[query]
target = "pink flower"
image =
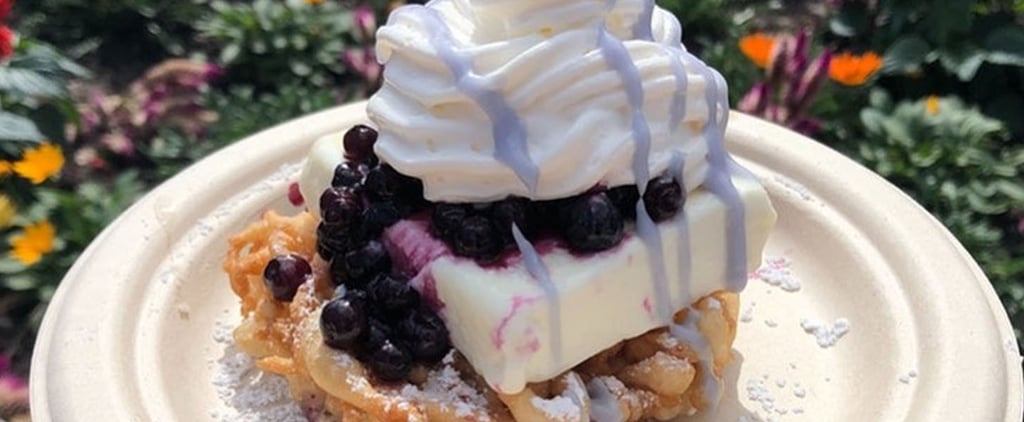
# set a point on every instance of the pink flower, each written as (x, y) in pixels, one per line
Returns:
(13, 389)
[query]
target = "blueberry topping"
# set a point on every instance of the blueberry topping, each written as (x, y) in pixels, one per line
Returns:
(359, 142)
(284, 274)
(341, 207)
(343, 321)
(475, 238)
(363, 264)
(349, 174)
(447, 218)
(505, 213)
(663, 199)
(393, 294)
(594, 224)
(426, 336)
(332, 240)
(384, 183)
(381, 215)
(625, 198)
(389, 361)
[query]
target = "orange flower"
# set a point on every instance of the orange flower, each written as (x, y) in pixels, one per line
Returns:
(29, 246)
(931, 105)
(314, 1)
(851, 70)
(758, 48)
(40, 163)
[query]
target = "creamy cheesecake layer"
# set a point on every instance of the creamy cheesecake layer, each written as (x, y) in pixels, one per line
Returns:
(326, 153)
(501, 318)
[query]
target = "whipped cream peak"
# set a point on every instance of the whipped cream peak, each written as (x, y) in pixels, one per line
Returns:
(483, 99)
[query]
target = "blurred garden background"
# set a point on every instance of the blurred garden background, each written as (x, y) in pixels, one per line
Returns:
(101, 100)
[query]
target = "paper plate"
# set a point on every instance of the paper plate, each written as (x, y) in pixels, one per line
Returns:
(130, 333)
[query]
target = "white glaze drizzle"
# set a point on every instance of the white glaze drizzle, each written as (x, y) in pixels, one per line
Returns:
(539, 272)
(508, 131)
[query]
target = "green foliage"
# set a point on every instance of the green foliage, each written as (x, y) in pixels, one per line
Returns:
(34, 103)
(971, 48)
(103, 33)
(963, 167)
(266, 41)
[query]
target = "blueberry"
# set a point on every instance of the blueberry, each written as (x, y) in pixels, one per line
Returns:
(389, 361)
(384, 183)
(332, 240)
(343, 321)
(447, 218)
(392, 294)
(663, 199)
(341, 207)
(625, 199)
(363, 264)
(381, 215)
(505, 213)
(284, 274)
(594, 224)
(425, 335)
(475, 238)
(349, 174)
(359, 142)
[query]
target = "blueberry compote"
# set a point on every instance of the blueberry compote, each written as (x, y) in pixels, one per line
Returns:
(376, 314)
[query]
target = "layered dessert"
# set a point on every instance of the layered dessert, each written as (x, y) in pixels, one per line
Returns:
(539, 222)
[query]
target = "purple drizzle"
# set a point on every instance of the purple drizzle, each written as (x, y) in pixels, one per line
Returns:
(642, 27)
(617, 57)
(683, 252)
(719, 182)
(690, 333)
(539, 272)
(507, 129)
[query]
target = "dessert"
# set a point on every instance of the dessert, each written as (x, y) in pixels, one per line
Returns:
(541, 223)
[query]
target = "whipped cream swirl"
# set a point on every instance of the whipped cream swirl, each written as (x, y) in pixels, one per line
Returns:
(483, 99)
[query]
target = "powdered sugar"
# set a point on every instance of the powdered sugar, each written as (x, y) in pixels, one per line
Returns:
(248, 394)
(826, 335)
(776, 272)
(446, 386)
(558, 408)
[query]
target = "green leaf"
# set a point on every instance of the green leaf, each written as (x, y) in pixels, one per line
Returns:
(29, 83)
(17, 128)
(20, 282)
(849, 21)
(906, 55)
(10, 266)
(1012, 190)
(963, 62)
(1006, 46)
(230, 53)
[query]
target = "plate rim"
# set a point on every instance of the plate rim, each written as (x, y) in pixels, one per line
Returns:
(324, 122)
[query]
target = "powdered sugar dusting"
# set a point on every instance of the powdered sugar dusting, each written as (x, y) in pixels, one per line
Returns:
(558, 408)
(826, 335)
(247, 393)
(446, 386)
(776, 271)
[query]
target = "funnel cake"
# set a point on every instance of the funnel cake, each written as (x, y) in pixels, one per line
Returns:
(542, 224)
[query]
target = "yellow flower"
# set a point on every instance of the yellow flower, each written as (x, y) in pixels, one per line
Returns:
(29, 246)
(931, 105)
(314, 1)
(7, 211)
(849, 69)
(758, 48)
(40, 163)
(5, 168)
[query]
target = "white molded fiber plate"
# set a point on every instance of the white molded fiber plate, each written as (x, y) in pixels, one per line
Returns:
(129, 335)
